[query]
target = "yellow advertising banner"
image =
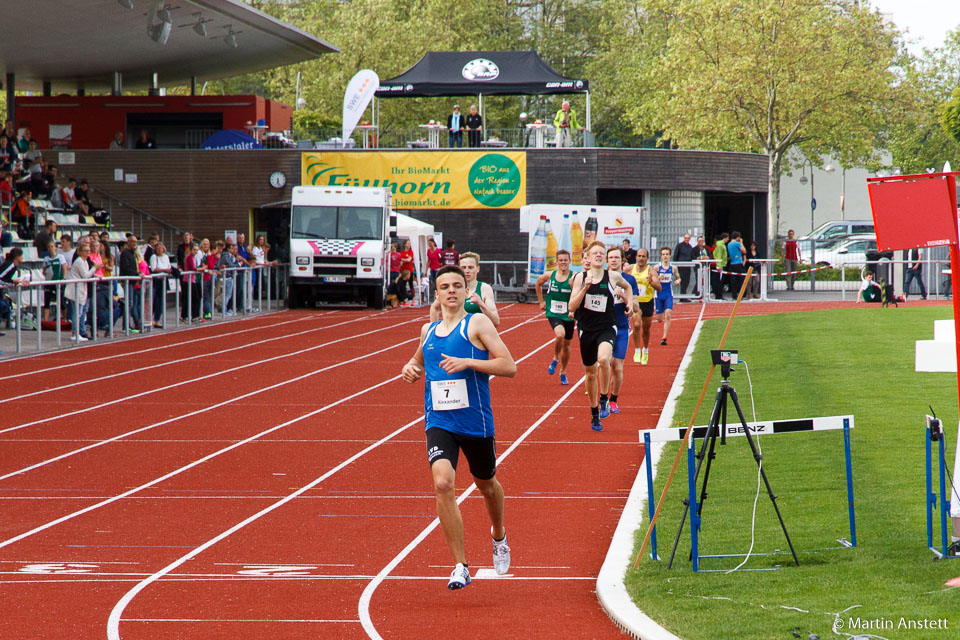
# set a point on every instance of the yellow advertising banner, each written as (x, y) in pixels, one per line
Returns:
(426, 179)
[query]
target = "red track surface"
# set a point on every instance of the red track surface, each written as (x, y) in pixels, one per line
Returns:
(122, 474)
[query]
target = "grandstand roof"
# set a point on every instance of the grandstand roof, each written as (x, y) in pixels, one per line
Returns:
(72, 43)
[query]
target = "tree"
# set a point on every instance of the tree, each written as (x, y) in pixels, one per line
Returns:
(770, 76)
(950, 115)
(916, 134)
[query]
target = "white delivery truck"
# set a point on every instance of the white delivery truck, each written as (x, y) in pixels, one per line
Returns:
(339, 245)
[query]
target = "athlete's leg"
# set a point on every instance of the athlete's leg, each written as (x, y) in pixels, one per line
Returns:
(447, 509)
(604, 356)
(616, 376)
(667, 317)
(564, 355)
(559, 333)
(493, 499)
(591, 382)
(637, 337)
(646, 322)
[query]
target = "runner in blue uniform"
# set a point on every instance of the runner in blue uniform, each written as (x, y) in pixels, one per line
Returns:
(615, 263)
(457, 354)
(664, 302)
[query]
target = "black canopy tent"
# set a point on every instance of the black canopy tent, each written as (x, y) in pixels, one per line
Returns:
(468, 73)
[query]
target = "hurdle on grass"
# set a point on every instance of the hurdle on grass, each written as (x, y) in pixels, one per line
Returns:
(934, 433)
(773, 427)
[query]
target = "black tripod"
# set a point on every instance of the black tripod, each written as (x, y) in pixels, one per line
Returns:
(718, 422)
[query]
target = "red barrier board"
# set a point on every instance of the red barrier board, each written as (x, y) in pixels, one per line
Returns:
(914, 211)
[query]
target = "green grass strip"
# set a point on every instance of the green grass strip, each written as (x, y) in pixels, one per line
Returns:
(808, 364)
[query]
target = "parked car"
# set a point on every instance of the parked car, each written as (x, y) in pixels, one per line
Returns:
(849, 250)
(839, 228)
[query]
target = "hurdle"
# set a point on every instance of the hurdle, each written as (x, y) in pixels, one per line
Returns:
(934, 433)
(772, 427)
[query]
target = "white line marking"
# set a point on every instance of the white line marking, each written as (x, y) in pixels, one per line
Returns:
(149, 349)
(194, 380)
(113, 622)
(205, 354)
(229, 620)
(363, 606)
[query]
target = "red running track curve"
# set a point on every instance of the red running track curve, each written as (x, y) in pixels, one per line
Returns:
(252, 480)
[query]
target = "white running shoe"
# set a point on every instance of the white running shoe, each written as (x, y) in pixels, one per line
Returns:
(459, 578)
(501, 554)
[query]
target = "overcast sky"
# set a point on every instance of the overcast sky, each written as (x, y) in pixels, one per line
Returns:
(927, 20)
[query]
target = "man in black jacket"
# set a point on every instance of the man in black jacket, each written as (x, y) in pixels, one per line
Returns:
(683, 252)
(129, 267)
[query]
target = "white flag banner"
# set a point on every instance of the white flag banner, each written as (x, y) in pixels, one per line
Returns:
(358, 95)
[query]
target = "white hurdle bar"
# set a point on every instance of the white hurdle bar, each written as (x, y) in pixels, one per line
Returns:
(770, 427)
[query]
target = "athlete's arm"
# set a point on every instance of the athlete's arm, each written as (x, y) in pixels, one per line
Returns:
(579, 291)
(487, 303)
(435, 310)
(482, 331)
(540, 282)
(653, 279)
(412, 371)
(627, 294)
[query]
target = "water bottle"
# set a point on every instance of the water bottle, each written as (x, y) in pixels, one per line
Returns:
(538, 249)
(576, 238)
(565, 241)
(551, 263)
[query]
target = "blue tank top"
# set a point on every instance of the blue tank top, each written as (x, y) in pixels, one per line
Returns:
(666, 283)
(456, 402)
(620, 307)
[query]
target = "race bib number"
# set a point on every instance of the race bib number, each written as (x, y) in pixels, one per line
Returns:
(618, 295)
(644, 291)
(596, 303)
(558, 306)
(449, 394)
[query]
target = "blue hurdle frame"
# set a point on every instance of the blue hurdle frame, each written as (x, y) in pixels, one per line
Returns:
(695, 518)
(944, 498)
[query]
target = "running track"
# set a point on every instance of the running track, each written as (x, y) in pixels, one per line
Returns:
(267, 479)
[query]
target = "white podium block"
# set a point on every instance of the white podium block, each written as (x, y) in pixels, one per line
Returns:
(936, 355)
(943, 331)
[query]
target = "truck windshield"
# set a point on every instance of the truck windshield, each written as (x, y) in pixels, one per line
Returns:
(342, 223)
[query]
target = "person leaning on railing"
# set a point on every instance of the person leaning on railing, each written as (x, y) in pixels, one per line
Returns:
(76, 294)
(159, 264)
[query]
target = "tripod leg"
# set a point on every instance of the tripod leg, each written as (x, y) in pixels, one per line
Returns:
(700, 457)
(763, 473)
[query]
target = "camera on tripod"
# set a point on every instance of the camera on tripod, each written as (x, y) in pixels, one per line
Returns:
(725, 358)
(936, 431)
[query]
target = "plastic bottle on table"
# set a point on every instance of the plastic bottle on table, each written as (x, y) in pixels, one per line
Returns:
(538, 250)
(576, 239)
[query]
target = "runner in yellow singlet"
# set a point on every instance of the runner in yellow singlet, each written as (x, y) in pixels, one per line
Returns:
(648, 282)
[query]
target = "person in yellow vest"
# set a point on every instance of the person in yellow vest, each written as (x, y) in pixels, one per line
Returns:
(648, 282)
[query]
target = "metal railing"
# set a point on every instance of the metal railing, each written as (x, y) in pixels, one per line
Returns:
(251, 289)
(510, 137)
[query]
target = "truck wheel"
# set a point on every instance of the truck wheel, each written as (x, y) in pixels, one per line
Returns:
(294, 299)
(521, 298)
(375, 299)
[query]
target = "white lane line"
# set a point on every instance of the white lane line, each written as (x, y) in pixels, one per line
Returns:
(195, 463)
(363, 606)
(175, 333)
(274, 497)
(113, 622)
(485, 574)
(206, 354)
(198, 462)
(212, 407)
(222, 620)
(192, 380)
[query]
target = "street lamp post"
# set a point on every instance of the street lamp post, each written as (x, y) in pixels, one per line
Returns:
(813, 199)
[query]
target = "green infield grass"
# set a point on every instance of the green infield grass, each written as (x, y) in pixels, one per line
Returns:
(808, 364)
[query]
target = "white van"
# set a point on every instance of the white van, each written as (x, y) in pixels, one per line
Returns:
(837, 228)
